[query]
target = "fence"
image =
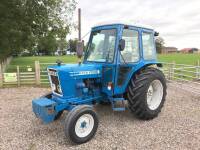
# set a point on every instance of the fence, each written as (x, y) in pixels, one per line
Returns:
(186, 77)
(35, 74)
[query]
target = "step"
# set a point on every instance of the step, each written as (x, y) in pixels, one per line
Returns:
(118, 99)
(120, 107)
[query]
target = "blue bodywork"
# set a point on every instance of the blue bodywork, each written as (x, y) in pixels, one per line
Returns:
(75, 79)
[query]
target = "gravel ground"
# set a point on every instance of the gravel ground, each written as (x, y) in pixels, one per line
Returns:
(177, 127)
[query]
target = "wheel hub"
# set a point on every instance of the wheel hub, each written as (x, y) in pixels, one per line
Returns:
(84, 125)
(154, 94)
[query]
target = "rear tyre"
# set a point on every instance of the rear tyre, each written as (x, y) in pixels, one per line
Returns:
(146, 93)
(81, 124)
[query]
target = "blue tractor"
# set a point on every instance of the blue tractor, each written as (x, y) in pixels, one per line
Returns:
(119, 65)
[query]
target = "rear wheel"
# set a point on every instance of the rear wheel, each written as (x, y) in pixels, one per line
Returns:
(146, 93)
(81, 124)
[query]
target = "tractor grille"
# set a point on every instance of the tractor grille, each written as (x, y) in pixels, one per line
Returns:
(54, 80)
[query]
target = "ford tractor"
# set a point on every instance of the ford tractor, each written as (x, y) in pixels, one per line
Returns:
(119, 68)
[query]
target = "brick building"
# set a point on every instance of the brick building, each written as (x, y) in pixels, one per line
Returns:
(166, 50)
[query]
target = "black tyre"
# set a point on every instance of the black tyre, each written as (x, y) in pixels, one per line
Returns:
(146, 93)
(81, 124)
(58, 115)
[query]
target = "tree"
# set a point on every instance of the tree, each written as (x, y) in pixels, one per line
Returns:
(47, 45)
(159, 44)
(26, 24)
(62, 44)
(72, 45)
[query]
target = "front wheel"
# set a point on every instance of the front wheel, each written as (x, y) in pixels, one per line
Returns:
(81, 124)
(146, 93)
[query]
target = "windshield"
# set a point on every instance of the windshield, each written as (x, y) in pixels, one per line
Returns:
(101, 46)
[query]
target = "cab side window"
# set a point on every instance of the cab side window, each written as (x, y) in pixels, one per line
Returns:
(131, 50)
(148, 46)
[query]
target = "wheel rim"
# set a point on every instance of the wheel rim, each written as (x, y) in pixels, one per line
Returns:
(84, 125)
(154, 94)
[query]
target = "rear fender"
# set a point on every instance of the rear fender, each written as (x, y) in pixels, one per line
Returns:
(135, 69)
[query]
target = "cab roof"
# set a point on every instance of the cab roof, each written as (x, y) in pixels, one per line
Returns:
(124, 24)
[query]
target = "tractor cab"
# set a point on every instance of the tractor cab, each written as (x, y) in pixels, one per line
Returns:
(116, 67)
(121, 50)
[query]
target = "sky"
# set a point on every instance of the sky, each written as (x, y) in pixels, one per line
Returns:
(177, 21)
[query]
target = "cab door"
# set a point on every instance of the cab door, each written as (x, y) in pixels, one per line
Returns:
(127, 59)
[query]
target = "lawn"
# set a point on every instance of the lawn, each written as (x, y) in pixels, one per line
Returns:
(25, 62)
(43, 59)
(190, 59)
(178, 58)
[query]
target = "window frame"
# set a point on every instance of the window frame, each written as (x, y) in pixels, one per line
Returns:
(139, 52)
(153, 42)
(90, 39)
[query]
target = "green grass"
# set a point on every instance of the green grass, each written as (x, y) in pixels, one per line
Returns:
(178, 58)
(23, 62)
(26, 62)
(43, 59)
(190, 59)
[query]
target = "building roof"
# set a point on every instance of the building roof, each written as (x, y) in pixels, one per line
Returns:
(188, 49)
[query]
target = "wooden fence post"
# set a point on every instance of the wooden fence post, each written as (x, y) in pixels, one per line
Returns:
(18, 76)
(37, 72)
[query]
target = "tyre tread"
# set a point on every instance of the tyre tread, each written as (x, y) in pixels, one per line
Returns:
(136, 95)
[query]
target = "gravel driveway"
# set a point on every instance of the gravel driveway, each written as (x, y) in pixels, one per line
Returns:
(177, 127)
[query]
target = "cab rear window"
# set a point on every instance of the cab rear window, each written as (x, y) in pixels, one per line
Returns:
(148, 45)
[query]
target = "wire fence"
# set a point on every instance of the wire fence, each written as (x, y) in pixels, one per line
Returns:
(184, 76)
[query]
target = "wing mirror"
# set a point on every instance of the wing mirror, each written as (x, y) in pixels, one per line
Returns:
(121, 44)
(79, 48)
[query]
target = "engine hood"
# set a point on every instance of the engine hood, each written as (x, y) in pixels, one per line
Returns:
(80, 71)
(64, 78)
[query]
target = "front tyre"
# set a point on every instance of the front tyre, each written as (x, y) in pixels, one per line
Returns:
(146, 93)
(81, 124)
